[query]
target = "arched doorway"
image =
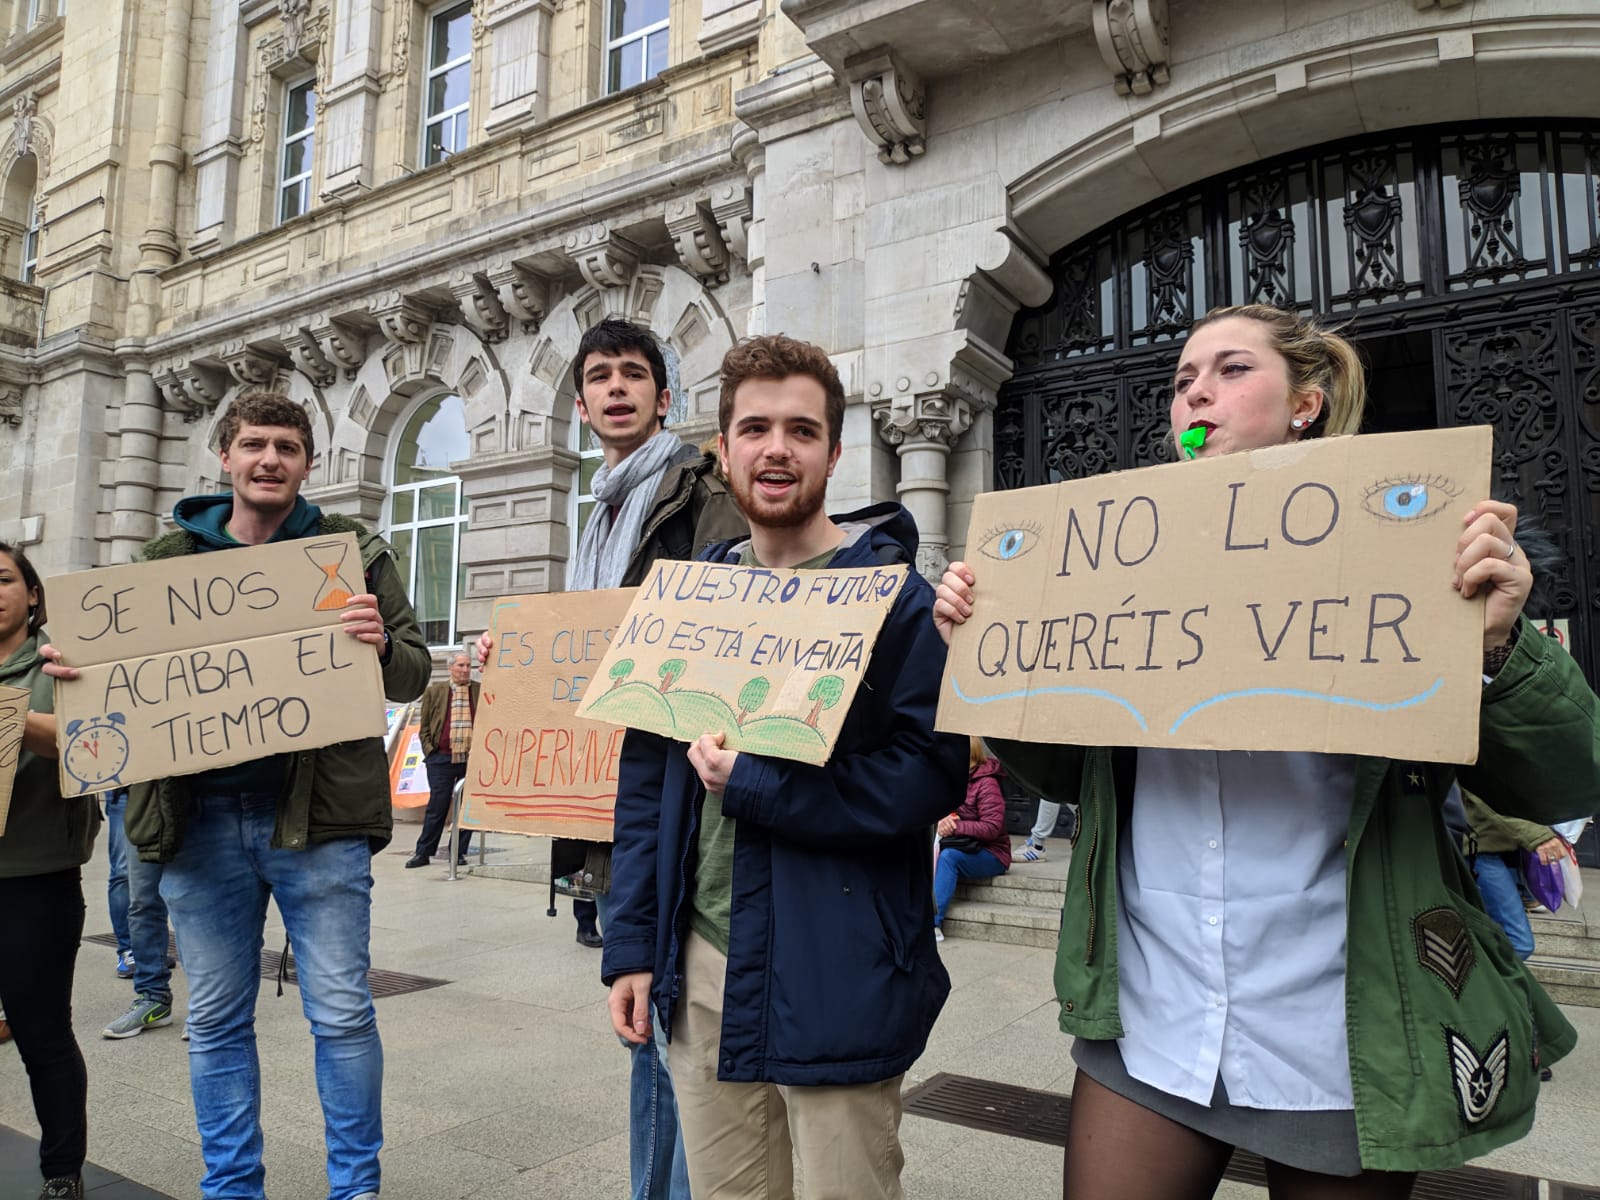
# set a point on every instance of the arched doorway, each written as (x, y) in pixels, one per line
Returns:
(1463, 259)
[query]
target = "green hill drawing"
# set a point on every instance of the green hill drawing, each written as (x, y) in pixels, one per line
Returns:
(783, 737)
(634, 704)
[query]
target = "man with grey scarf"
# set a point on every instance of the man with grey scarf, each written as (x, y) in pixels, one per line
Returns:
(656, 498)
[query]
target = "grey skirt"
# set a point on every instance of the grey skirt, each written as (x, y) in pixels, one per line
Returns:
(1320, 1140)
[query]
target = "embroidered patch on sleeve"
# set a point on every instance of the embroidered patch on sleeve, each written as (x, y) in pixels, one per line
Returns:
(1479, 1078)
(1444, 947)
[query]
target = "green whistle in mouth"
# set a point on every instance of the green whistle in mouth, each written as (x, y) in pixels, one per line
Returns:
(1190, 440)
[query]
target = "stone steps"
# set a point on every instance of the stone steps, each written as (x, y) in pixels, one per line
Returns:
(1023, 908)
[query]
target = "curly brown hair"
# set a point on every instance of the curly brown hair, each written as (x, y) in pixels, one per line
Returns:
(778, 356)
(265, 408)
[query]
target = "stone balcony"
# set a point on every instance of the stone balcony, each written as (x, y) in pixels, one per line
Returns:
(21, 307)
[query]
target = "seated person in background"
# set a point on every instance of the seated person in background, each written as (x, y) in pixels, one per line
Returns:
(972, 840)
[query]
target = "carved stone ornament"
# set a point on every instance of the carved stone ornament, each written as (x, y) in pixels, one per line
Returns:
(250, 366)
(928, 418)
(526, 295)
(699, 240)
(11, 406)
(192, 389)
(309, 357)
(401, 319)
(732, 206)
(890, 104)
(24, 109)
(480, 303)
(605, 259)
(346, 345)
(293, 15)
(1132, 35)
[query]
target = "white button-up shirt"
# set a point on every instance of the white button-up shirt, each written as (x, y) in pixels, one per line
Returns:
(1231, 927)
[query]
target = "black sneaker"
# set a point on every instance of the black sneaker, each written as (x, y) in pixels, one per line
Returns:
(417, 860)
(67, 1187)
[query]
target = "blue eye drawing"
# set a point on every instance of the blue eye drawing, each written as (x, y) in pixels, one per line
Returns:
(1007, 542)
(1409, 499)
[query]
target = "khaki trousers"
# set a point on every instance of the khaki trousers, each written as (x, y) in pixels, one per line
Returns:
(740, 1139)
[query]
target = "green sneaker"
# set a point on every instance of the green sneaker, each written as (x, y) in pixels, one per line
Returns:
(146, 1012)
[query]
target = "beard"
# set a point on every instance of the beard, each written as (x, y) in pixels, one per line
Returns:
(789, 513)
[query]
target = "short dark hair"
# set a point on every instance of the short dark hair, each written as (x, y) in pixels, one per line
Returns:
(264, 408)
(778, 356)
(31, 581)
(614, 336)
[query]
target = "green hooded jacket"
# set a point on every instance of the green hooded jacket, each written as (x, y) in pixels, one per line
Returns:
(44, 831)
(336, 791)
(1447, 1029)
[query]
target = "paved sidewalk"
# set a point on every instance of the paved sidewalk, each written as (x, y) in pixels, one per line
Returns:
(506, 1084)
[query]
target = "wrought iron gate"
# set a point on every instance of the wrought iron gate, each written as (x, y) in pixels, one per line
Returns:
(1464, 261)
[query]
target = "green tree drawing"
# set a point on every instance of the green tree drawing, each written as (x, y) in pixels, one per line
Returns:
(620, 671)
(826, 691)
(752, 696)
(670, 671)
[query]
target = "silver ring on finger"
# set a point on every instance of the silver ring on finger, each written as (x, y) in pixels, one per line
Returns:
(1511, 549)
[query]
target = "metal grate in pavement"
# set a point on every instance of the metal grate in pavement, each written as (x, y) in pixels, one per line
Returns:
(1042, 1117)
(382, 983)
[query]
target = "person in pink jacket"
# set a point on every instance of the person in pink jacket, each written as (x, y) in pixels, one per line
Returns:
(972, 840)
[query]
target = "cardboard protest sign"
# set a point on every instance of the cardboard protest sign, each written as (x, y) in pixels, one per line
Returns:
(13, 719)
(1293, 598)
(408, 774)
(536, 767)
(770, 658)
(205, 661)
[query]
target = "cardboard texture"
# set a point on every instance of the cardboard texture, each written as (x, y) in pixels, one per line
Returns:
(1294, 598)
(769, 658)
(536, 767)
(13, 720)
(193, 663)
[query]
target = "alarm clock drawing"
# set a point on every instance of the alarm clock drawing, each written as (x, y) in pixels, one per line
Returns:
(96, 752)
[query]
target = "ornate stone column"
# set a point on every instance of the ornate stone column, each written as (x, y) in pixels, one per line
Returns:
(923, 427)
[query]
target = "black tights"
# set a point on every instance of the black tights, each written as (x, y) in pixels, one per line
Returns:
(41, 920)
(1118, 1150)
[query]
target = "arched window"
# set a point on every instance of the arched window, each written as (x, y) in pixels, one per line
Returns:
(591, 454)
(428, 512)
(19, 220)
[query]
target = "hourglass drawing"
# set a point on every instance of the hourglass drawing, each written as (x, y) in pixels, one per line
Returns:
(334, 591)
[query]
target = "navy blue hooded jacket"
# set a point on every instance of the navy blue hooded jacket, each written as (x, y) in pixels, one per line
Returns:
(833, 977)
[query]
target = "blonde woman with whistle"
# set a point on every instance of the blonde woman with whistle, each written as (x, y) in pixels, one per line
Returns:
(1283, 951)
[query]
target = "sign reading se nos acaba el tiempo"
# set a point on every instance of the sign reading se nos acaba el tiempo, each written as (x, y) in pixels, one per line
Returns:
(205, 661)
(771, 659)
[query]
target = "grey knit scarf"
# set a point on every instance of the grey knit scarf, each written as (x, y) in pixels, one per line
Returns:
(606, 544)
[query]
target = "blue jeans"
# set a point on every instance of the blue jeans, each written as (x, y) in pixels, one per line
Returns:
(1497, 876)
(959, 864)
(117, 881)
(217, 889)
(657, 1169)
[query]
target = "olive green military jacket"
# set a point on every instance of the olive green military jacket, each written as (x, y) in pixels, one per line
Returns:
(336, 791)
(1447, 1029)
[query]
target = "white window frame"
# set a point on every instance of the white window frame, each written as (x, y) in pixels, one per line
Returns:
(30, 244)
(432, 121)
(642, 36)
(417, 523)
(302, 181)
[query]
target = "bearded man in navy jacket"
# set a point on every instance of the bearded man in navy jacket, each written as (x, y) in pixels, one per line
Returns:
(780, 914)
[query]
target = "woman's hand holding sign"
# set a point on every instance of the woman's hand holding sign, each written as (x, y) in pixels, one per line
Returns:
(953, 600)
(1487, 556)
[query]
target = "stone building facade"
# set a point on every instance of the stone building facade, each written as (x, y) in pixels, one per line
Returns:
(404, 214)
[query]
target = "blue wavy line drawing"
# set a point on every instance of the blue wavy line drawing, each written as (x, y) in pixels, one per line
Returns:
(1299, 694)
(1096, 693)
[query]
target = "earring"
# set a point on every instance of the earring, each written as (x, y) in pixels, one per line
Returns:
(1299, 422)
